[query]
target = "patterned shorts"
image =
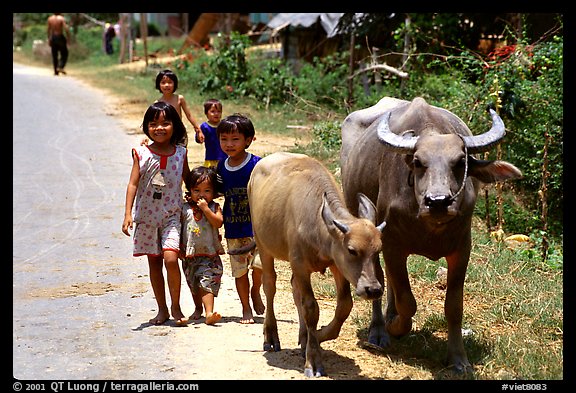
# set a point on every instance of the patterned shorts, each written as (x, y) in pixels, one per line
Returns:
(203, 272)
(241, 263)
(152, 240)
(211, 163)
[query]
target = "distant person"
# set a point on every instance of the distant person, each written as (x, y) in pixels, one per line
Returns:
(208, 135)
(57, 32)
(167, 84)
(236, 133)
(201, 244)
(155, 191)
(109, 34)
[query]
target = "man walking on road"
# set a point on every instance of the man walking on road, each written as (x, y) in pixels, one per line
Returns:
(57, 40)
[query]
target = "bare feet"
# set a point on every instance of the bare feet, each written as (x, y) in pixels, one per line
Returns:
(213, 318)
(247, 317)
(160, 318)
(197, 314)
(257, 301)
(178, 316)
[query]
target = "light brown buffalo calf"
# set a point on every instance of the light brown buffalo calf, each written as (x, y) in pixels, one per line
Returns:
(299, 215)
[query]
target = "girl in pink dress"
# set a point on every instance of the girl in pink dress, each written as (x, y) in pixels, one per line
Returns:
(155, 191)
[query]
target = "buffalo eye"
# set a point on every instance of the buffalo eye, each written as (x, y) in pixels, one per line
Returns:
(352, 251)
(417, 163)
(461, 162)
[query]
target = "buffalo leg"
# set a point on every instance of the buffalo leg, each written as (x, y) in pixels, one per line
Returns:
(377, 333)
(313, 366)
(302, 331)
(453, 309)
(343, 307)
(271, 339)
(401, 306)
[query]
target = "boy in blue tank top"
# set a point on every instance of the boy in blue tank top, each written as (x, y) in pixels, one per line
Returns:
(236, 133)
(208, 134)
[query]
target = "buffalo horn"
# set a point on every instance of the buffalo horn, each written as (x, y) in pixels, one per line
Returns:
(484, 142)
(400, 144)
(343, 227)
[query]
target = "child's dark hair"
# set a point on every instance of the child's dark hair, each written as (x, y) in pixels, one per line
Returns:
(200, 174)
(170, 74)
(210, 102)
(236, 122)
(179, 135)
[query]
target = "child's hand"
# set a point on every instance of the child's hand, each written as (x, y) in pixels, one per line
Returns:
(202, 204)
(188, 198)
(126, 225)
(199, 137)
(144, 142)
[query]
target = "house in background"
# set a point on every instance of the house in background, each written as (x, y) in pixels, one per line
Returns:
(306, 35)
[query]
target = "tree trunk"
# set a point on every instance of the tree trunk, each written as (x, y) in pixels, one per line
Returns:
(124, 37)
(200, 30)
(350, 72)
(144, 35)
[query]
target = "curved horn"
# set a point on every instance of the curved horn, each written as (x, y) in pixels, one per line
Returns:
(484, 142)
(340, 225)
(403, 145)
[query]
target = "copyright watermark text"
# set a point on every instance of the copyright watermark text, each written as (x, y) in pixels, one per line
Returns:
(104, 386)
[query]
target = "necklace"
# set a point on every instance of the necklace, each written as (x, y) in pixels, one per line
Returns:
(197, 213)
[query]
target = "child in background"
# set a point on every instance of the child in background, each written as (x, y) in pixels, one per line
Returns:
(155, 188)
(167, 83)
(208, 135)
(201, 245)
(236, 133)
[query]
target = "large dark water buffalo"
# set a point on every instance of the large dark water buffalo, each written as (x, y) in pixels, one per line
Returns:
(414, 161)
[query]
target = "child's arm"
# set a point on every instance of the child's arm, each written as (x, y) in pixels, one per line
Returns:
(186, 110)
(216, 219)
(199, 136)
(131, 194)
(182, 251)
(186, 167)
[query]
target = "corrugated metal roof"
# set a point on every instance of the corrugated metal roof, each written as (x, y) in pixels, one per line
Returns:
(329, 21)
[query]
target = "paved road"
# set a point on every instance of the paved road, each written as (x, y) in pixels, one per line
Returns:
(79, 297)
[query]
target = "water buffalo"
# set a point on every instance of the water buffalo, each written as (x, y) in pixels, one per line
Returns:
(299, 215)
(414, 161)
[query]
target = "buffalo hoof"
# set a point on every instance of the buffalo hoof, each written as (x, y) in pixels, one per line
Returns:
(308, 372)
(269, 347)
(379, 337)
(461, 368)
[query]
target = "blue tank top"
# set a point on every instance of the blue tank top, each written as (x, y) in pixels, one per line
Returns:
(236, 211)
(211, 143)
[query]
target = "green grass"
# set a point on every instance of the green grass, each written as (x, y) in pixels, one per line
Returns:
(513, 312)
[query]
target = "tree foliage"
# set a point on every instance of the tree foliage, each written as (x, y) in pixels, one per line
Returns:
(523, 80)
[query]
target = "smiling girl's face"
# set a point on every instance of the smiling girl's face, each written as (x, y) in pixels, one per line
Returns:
(160, 129)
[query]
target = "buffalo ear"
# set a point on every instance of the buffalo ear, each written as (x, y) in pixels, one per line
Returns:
(366, 208)
(492, 171)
